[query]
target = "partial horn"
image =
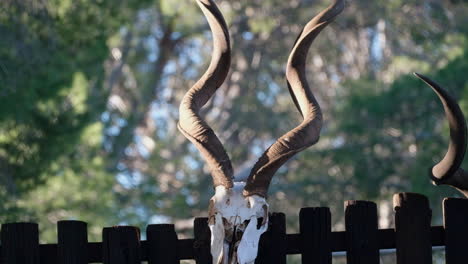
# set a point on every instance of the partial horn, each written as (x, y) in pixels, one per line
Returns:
(190, 123)
(308, 132)
(448, 170)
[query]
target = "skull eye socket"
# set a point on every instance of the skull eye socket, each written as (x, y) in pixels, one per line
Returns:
(226, 222)
(260, 222)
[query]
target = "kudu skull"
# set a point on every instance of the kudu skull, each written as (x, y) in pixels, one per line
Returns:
(238, 212)
(448, 171)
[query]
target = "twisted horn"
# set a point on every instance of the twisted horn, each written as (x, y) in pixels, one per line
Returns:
(308, 132)
(190, 123)
(448, 170)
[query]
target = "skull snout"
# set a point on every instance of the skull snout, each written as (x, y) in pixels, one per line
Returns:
(236, 223)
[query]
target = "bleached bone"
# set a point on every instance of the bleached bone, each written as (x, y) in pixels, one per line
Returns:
(236, 222)
(236, 208)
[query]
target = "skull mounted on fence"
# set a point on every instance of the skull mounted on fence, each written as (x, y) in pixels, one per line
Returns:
(238, 212)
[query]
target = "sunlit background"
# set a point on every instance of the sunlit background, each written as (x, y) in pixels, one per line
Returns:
(89, 95)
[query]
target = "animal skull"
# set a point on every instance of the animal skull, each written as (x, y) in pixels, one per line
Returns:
(236, 223)
(238, 212)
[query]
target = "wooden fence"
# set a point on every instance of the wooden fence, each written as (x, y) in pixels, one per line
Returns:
(413, 238)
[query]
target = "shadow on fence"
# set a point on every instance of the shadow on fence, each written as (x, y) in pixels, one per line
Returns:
(413, 238)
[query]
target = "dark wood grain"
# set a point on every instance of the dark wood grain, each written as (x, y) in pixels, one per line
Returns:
(121, 245)
(20, 243)
(315, 233)
(412, 228)
(201, 246)
(162, 244)
(272, 247)
(72, 242)
(361, 232)
(456, 230)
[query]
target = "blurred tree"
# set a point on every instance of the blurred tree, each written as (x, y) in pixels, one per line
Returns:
(52, 94)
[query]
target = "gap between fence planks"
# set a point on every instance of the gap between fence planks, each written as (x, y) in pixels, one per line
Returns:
(412, 238)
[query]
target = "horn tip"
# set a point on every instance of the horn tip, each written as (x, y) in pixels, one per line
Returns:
(338, 6)
(341, 3)
(429, 82)
(420, 76)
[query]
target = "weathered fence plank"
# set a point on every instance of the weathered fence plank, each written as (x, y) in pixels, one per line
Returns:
(315, 228)
(121, 245)
(20, 243)
(456, 230)
(412, 228)
(72, 245)
(201, 245)
(272, 248)
(361, 232)
(162, 243)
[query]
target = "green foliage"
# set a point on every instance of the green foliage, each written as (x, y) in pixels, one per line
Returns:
(398, 130)
(52, 94)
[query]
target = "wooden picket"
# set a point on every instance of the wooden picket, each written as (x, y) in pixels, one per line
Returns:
(316, 235)
(412, 228)
(456, 230)
(413, 238)
(361, 232)
(72, 242)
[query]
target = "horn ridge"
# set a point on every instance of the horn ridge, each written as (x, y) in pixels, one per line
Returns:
(308, 131)
(192, 126)
(448, 171)
(458, 134)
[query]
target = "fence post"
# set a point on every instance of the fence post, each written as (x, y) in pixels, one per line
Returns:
(72, 242)
(315, 228)
(20, 243)
(121, 245)
(456, 230)
(201, 245)
(412, 228)
(361, 232)
(272, 247)
(162, 244)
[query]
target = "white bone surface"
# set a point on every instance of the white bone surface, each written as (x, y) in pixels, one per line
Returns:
(217, 239)
(235, 208)
(248, 247)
